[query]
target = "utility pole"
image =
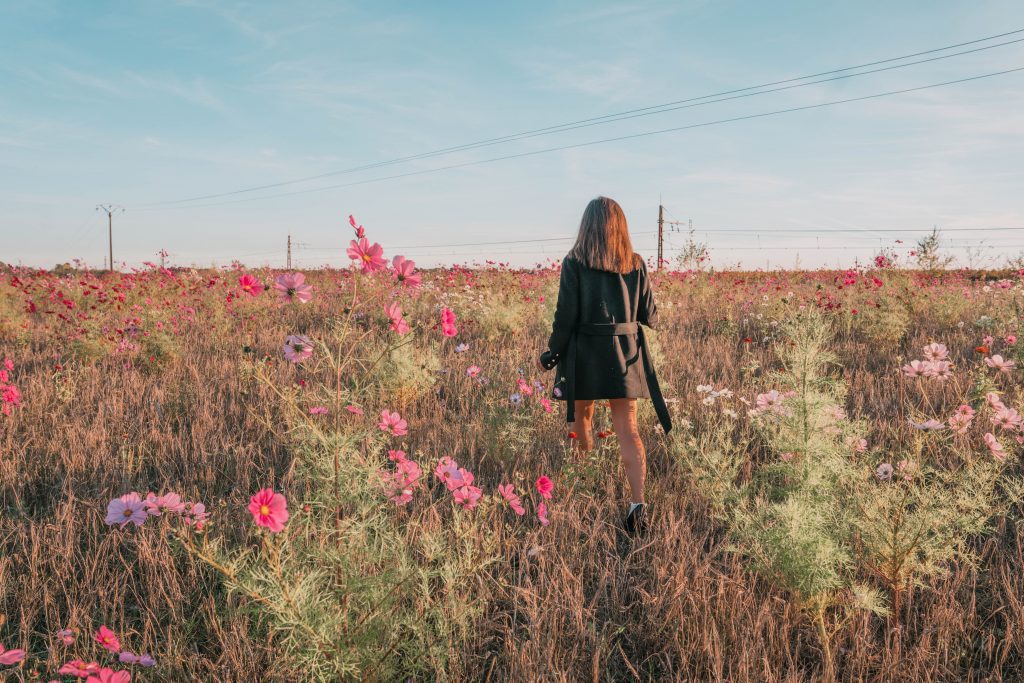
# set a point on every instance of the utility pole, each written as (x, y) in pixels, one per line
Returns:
(661, 233)
(289, 266)
(110, 210)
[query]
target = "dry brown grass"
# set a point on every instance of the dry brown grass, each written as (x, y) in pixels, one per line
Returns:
(573, 601)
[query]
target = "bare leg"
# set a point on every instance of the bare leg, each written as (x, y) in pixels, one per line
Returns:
(631, 448)
(584, 426)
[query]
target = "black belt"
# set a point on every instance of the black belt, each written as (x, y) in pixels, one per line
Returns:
(614, 330)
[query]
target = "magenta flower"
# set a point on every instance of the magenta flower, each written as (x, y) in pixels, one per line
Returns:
(360, 232)
(393, 423)
(107, 675)
(398, 324)
(371, 258)
(8, 657)
(448, 328)
(508, 492)
(405, 273)
(447, 471)
(297, 348)
(127, 508)
(79, 669)
(251, 285)
(269, 509)
(106, 638)
(544, 486)
(318, 410)
(292, 287)
(546, 403)
(542, 514)
(399, 485)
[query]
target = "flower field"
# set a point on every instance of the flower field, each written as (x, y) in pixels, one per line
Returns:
(245, 474)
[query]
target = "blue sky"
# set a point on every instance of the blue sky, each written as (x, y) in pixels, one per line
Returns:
(142, 102)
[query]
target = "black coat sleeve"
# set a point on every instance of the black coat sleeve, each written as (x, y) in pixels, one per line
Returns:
(567, 312)
(648, 310)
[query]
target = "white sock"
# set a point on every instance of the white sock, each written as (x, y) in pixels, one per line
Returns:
(633, 506)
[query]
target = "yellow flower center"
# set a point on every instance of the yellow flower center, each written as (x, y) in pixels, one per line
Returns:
(366, 257)
(264, 509)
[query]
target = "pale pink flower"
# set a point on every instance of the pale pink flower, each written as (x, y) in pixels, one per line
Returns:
(196, 515)
(1007, 418)
(467, 496)
(448, 328)
(938, 369)
(398, 323)
(997, 362)
(447, 471)
(1011, 339)
(961, 421)
(127, 508)
(67, 636)
(542, 514)
(935, 352)
(405, 272)
(371, 258)
(544, 486)
(508, 492)
(908, 468)
(473, 370)
(787, 456)
(79, 669)
(269, 509)
(8, 657)
(397, 455)
(292, 287)
(297, 348)
(993, 400)
(107, 638)
(318, 410)
(169, 502)
(930, 425)
(769, 401)
(251, 285)
(393, 423)
(915, 368)
(399, 485)
(355, 410)
(994, 446)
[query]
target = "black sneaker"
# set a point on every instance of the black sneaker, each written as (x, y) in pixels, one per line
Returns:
(635, 523)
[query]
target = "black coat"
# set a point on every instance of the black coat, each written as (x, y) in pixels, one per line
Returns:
(596, 339)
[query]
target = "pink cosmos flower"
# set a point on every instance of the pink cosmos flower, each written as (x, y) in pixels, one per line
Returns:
(542, 514)
(405, 273)
(169, 502)
(999, 363)
(79, 669)
(127, 508)
(251, 285)
(473, 370)
(360, 232)
(371, 258)
(993, 400)
(355, 410)
(67, 636)
(961, 420)
(938, 369)
(447, 471)
(1007, 418)
(269, 509)
(399, 485)
(935, 352)
(769, 401)
(318, 410)
(467, 496)
(544, 486)
(8, 657)
(915, 368)
(448, 328)
(398, 323)
(508, 492)
(106, 638)
(106, 675)
(393, 423)
(132, 658)
(297, 348)
(292, 287)
(930, 425)
(994, 446)
(1011, 339)
(546, 402)
(196, 515)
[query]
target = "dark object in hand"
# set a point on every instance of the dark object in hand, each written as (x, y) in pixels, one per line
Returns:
(549, 360)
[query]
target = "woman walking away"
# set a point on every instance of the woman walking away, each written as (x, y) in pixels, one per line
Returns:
(604, 295)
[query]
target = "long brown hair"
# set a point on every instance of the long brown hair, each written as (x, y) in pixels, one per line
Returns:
(603, 242)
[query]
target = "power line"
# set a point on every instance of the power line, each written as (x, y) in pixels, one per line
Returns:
(620, 138)
(632, 113)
